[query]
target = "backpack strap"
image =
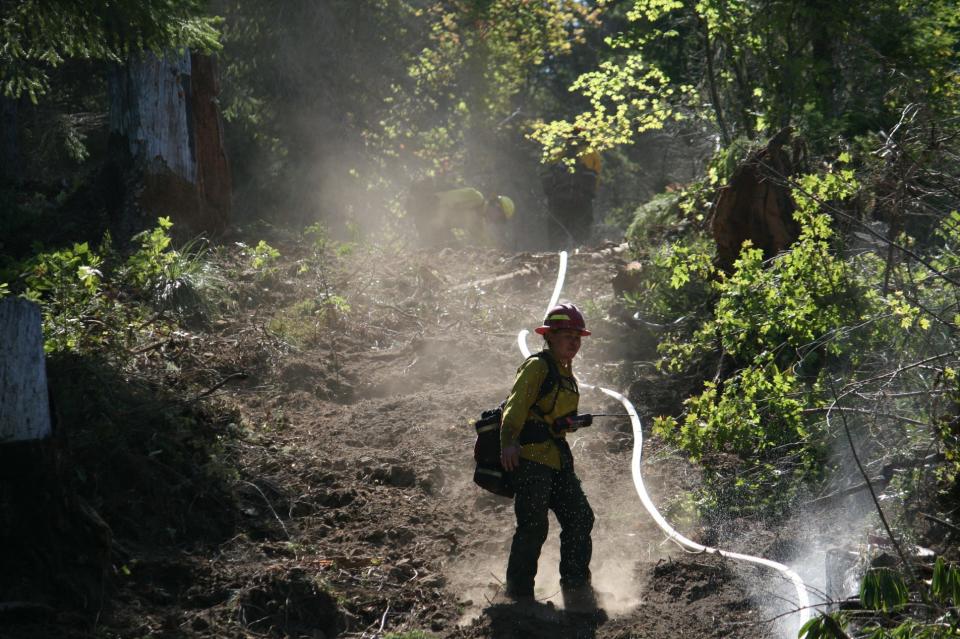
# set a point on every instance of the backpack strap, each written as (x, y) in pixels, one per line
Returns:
(550, 382)
(536, 431)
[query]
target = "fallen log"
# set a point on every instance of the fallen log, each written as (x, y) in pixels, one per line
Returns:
(535, 270)
(523, 272)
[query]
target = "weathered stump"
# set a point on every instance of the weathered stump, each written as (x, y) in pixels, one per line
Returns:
(757, 205)
(52, 544)
(165, 124)
(24, 401)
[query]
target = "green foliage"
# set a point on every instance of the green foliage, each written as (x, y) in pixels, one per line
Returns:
(945, 585)
(78, 313)
(626, 99)
(410, 634)
(263, 256)
(651, 220)
(307, 321)
(153, 261)
(489, 49)
(41, 34)
(766, 67)
(726, 160)
(89, 302)
(677, 285)
(757, 410)
(884, 590)
(758, 415)
(183, 281)
(332, 307)
(824, 627)
(775, 323)
(884, 594)
(405, 90)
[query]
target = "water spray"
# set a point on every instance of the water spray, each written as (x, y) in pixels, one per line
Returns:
(803, 600)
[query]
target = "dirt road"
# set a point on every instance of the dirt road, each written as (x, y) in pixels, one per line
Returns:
(373, 455)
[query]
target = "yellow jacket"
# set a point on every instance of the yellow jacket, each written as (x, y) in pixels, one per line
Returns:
(591, 161)
(462, 209)
(563, 399)
(588, 162)
(460, 201)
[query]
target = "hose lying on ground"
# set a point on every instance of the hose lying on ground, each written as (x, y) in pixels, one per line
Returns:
(803, 601)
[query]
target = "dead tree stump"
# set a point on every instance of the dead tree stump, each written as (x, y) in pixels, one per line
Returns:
(757, 205)
(24, 402)
(53, 545)
(165, 127)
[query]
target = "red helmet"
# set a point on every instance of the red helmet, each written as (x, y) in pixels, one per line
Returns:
(563, 316)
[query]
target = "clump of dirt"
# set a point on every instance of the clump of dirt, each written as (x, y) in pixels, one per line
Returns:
(290, 603)
(689, 581)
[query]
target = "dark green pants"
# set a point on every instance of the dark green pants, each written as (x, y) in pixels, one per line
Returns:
(569, 216)
(539, 489)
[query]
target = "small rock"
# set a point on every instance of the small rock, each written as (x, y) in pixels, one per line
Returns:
(628, 279)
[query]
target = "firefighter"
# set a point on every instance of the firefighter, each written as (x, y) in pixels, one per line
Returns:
(450, 217)
(570, 192)
(542, 466)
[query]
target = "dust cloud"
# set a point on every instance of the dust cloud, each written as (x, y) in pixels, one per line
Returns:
(825, 541)
(830, 536)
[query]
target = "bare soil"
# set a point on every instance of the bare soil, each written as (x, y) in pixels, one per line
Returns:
(351, 510)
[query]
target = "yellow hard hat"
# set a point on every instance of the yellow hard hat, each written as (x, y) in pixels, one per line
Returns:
(506, 205)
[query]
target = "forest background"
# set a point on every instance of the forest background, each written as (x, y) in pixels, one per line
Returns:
(849, 113)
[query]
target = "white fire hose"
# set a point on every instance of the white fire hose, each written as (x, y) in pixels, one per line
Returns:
(803, 601)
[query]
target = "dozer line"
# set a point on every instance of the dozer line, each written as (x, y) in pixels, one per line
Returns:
(803, 600)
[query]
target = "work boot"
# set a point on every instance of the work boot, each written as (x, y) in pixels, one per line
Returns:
(580, 600)
(518, 595)
(509, 595)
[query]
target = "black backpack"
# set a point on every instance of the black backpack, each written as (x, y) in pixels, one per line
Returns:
(489, 473)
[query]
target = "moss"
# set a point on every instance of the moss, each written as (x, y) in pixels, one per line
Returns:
(653, 220)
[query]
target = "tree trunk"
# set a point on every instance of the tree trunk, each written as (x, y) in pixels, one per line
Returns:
(24, 403)
(712, 83)
(165, 124)
(9, 145)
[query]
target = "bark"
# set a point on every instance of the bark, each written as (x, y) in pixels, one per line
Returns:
(9, 139)
(756, 205)
(24, 402)
(165, 125)
(712, 83)
(214, 180)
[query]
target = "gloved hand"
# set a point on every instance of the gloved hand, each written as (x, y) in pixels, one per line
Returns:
(570, 423)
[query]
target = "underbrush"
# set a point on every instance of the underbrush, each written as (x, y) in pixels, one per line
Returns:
(833, 363)
(143, 459)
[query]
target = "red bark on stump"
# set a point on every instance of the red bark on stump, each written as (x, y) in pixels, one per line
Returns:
(164, 120)
(757, 205)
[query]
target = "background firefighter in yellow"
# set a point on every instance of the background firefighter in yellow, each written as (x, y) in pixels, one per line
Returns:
(458, 216)
(570, 191)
